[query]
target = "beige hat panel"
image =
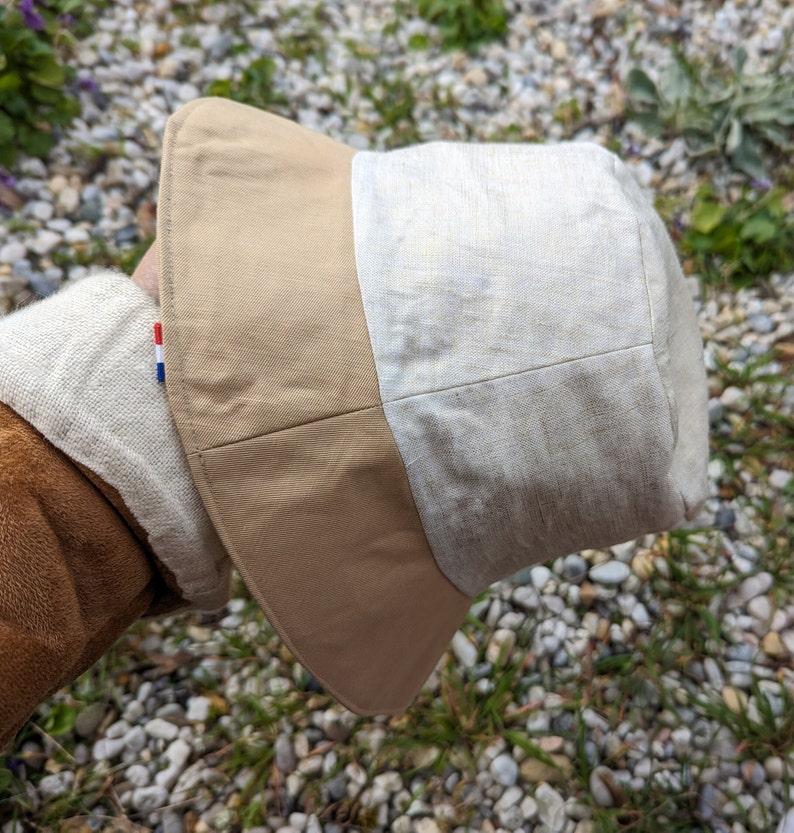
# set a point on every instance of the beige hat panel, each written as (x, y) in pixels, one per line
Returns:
(272, 383)
(336, 555)
(257, 255)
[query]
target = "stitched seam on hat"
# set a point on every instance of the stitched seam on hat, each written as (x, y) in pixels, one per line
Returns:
(167, 259)
(428, 393)
(669, 394)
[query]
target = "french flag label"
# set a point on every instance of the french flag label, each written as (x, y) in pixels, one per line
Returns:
(158, 351)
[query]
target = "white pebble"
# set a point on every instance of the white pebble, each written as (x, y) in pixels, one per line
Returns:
(464, 649)
(40, 209)
(510, 797)
(135, 740)
(500, 646)
(505, 770)
(311, 767)
(390, 781)
(177, 756)
(755, 585)
(599, 788)
(12, 252)
(137, 775)
(51, 786)
(187, 92)
(735, 399)
(159, 728)
(107, 749)
(69, 199)
(540, 576)
(148, 799)
(198, 709)
(641, 617)
(134, 711)
(76, 235)
(551, 807)
(610, 573)
(45, 242)
(529, 808)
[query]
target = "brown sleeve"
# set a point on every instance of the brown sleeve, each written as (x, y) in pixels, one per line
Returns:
(75, 571)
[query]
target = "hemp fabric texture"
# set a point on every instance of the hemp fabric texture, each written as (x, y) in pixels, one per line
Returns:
(398, 377)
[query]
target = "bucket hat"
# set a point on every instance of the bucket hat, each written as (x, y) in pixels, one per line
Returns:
(401, 376)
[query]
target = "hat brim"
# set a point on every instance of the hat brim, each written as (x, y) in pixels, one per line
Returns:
(274, 391)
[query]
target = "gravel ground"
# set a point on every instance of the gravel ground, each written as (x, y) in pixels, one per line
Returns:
(646, 687)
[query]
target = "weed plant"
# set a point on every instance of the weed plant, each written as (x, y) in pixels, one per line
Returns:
(741, 243)
(717, 109)
(255, 87)
(37, 93)
(465, 24)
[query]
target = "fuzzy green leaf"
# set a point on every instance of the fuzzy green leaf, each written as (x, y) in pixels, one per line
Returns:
(706, 216)
(734, 137)
(640, 87)
(747, 158)
(674, 85)
(759, 228)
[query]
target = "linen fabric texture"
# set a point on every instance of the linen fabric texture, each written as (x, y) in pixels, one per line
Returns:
(79, 367)
(401, 376)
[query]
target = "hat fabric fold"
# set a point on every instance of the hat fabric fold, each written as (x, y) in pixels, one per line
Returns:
(401, 376)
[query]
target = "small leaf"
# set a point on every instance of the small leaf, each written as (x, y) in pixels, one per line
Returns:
(759, 228)
(774, 135)
(640, 87)
(6, 780)
(10, 82)
(734, 137)
(740, 59)
(221, 88)
(60, 720)
(6, 128)
(747, 158)
(706, 216)
(674, 85)
(48, 74)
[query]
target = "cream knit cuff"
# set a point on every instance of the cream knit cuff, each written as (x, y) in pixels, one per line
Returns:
(80, 367)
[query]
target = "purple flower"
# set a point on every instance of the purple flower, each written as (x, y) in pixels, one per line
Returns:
(6, 179)
(66, 19)
(14, 764)
(87, 83)
(33, 20)
(762, 184)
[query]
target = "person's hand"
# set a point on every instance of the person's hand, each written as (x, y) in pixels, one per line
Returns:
(145, 275)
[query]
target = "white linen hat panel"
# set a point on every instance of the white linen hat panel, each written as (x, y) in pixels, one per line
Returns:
(515, 342)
